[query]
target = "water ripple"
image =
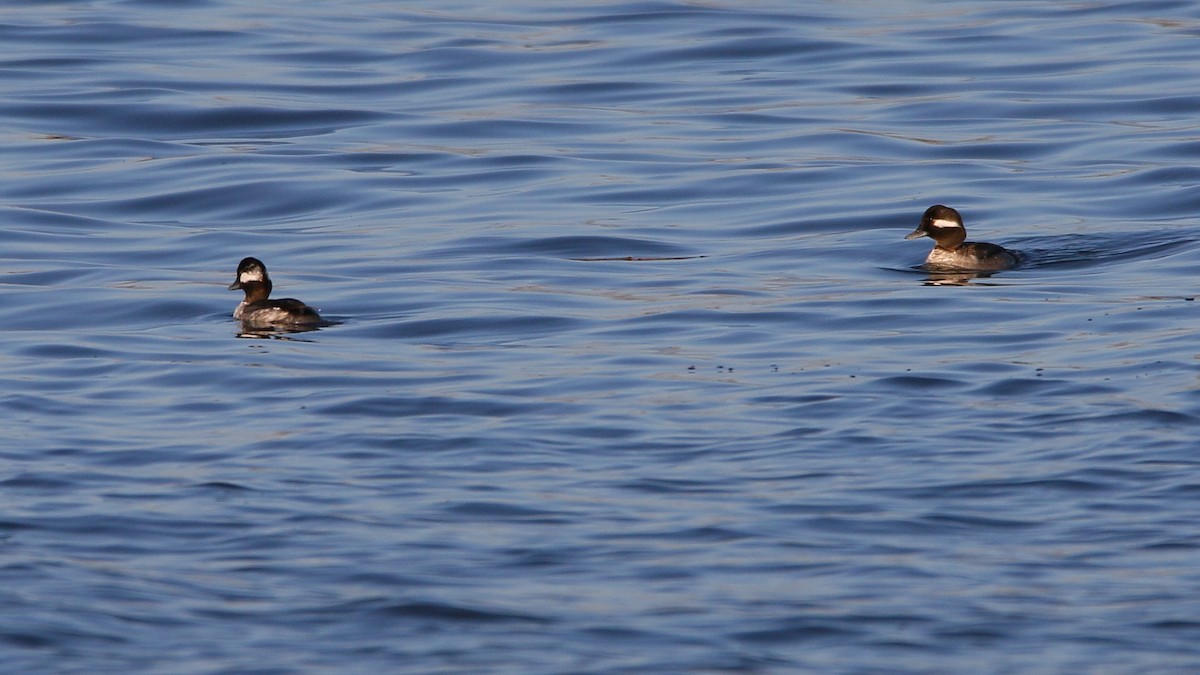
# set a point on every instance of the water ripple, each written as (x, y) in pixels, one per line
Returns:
(632, 370)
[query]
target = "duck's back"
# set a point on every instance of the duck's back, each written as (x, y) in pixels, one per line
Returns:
(280, 312)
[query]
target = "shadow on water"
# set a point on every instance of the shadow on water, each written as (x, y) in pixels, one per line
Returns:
(634, 258)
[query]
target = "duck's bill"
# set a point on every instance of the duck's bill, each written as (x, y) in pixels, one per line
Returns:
(916, 234)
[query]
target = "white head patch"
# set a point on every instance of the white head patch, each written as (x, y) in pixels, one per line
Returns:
(940, 223)
(252, 274)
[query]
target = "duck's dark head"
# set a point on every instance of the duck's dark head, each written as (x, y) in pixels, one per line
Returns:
(252, 278)
(943, 225)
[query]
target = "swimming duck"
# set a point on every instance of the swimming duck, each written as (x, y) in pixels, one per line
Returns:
(258, 310)
(944, 225)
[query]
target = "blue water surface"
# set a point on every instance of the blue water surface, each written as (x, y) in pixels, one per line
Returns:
(632, 370)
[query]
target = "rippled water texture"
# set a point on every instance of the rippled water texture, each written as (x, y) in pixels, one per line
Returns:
(632, 370)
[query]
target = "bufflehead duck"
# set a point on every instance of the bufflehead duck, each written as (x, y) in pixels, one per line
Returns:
(257, 310)
(952, 251)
